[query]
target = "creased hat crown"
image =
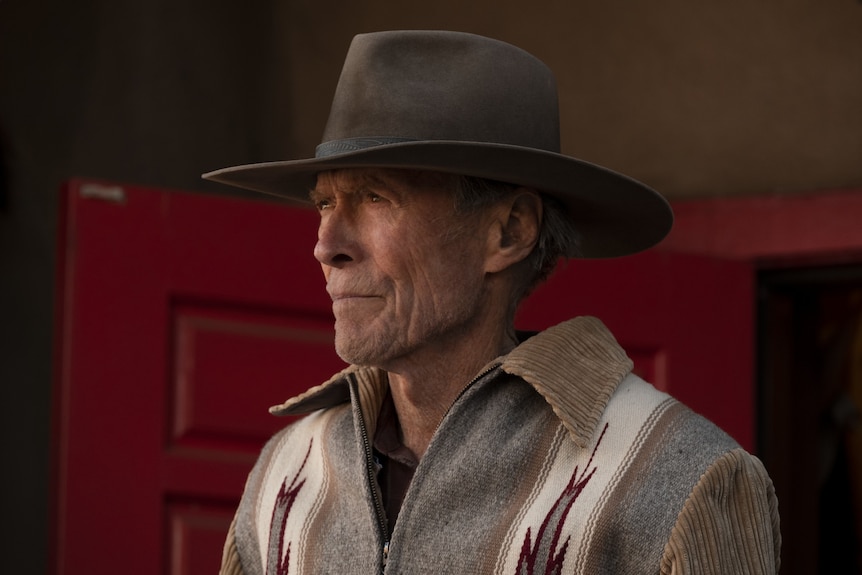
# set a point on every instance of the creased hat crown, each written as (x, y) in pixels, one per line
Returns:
(413, 86)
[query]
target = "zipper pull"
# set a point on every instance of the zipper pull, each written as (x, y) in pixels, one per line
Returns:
(385, 555)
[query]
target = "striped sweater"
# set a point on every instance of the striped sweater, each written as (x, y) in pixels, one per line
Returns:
(556, 459)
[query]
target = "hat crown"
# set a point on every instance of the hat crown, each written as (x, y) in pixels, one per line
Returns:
(435, 85)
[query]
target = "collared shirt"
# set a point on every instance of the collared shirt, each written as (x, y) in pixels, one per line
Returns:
(398, 464)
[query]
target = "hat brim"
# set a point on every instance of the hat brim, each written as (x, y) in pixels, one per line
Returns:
(614, 214)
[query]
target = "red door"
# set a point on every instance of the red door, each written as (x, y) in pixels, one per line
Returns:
(182, 317)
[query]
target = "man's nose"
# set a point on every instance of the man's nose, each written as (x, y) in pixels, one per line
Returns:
(336, 238)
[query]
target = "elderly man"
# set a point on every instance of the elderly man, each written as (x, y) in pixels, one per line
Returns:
(453, 443)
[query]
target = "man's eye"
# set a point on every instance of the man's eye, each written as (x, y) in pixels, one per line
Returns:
(323, 204)
(374, 198)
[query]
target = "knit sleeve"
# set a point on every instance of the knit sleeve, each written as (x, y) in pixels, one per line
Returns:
(230, 564)
(729, 524)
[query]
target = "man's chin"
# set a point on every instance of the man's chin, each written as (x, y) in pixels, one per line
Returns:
(356, 347)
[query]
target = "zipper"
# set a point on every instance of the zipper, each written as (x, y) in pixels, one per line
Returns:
(370, 473)
(369, 457)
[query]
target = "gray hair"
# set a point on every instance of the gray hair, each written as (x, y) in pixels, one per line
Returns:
(557, 235)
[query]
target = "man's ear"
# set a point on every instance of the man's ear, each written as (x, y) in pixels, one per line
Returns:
(514, 230)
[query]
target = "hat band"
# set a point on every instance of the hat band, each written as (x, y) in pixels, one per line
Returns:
(336, 147)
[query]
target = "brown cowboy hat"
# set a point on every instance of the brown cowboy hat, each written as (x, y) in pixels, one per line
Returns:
(464, 104)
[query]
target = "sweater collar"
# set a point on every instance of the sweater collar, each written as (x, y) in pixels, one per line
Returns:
(576, 366)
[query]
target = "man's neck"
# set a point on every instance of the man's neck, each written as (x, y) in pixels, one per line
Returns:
(423, 392)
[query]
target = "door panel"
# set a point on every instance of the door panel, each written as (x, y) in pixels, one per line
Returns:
(182, 317)
(221, 351)
(195, 533)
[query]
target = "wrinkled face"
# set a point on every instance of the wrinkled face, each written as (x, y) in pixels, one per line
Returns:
(404, 272)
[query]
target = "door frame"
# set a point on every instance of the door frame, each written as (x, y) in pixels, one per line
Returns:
(776, 232)
(780, 230)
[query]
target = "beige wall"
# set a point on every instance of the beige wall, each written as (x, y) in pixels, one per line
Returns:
(695, 98)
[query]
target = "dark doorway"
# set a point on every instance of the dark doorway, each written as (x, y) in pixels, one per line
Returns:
(810, 436)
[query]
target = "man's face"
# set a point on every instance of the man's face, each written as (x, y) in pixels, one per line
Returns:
(404, 272)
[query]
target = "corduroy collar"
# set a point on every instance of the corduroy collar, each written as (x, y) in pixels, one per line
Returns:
(576, 366)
